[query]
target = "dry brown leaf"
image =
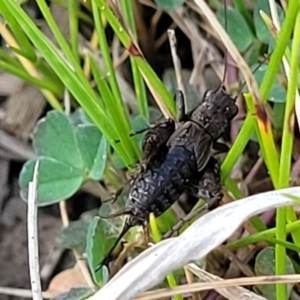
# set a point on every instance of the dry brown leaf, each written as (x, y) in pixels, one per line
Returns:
(66, 280)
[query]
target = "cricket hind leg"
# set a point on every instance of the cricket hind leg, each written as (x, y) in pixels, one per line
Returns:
(116, 195)
(220, 148)
(197, 212)
(156, 138)
(180, 106)
(129, 223)
(158, 134)
(208, 187)
(108, 256)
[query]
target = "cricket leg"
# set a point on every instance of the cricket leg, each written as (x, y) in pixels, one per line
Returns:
(115, 195)
(180, 106)
(197, 212)
(146, 233)
(156, 138)
(220, 148)
(152, 127)
(108, 257)
(209, 185)
(208, 188)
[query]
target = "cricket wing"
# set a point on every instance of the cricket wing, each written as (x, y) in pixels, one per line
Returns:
(202, 148)
(193, 136)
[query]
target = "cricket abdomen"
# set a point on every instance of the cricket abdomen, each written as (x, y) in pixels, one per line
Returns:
(156, 189)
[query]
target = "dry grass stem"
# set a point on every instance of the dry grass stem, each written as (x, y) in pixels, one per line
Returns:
(276, 22)
(202, 286)
(81, 263)
(33, 249)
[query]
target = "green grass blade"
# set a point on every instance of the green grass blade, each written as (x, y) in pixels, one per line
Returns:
(62, 42)
(238, 147)
(5, 57)
(73, 23)
(289, 116)
(21, 52)
(286, 155)
(48, 73)
(116, 107)
(74, 80)
(42, 84)
(139, 85)
(266, 141)
(19, 34)
(282, 42)
(140, 90)
(162, 96)
(240, 5)
(103, 88)
(79, 13)
(273, 67)
(285, 245)
(262, 236)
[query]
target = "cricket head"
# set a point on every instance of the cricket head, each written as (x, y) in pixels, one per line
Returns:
(215, 112)
(224, 104)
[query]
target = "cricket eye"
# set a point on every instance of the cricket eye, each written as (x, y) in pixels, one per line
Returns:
(207, 94)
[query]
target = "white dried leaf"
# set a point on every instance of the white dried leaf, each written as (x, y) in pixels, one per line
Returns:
(153, 265)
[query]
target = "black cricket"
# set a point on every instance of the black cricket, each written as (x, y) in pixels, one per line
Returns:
(178, 160)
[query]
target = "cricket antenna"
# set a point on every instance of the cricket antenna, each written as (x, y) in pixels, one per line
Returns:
(107, 258)
(139, 131)
(266, 58)
(226, 52)
(117, 214)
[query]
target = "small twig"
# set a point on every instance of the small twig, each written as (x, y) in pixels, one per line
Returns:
(154, 22)
(122, 256)
(63, 213)
(33, 251)
(163, 37)
(241, 265)
(254, 171)
(67, 102)
(176, 60)
(81, 264)
(296, 168)
(19, 150)
(181, 102)
(190, 279)
(198, 65)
